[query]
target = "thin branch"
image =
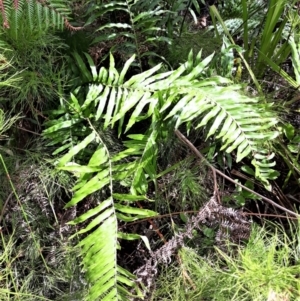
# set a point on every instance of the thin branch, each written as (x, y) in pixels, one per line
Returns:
(4, 206)
(196, 211)
(199, 155)
(188, 143)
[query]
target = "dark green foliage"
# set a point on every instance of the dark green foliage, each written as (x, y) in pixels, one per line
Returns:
(136, 27)
(177, 52)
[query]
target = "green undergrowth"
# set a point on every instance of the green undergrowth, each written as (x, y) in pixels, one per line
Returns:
(43, 76)
(24, 277)
(183, 188)
(266, 268)
(37, 261)
(178, 51)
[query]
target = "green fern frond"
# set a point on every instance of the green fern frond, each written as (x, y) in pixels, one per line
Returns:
(35, 14)
(167, 100)
(140, 28)
(100, 246)
(100, 171)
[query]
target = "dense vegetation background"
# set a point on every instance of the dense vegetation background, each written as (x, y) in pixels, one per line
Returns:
(149, 150)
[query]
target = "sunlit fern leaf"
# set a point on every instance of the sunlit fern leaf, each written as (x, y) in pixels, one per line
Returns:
(217, 105)
(178, 97)
(99, 247)
(241, 122)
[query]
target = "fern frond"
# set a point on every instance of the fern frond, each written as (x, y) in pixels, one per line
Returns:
(245, 130)
(178, 97)
(108, 281)
(35, 14)
(140, 28)
(4, 13)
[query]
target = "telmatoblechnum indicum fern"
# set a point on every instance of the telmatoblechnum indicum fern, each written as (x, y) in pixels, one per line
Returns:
(179, 97)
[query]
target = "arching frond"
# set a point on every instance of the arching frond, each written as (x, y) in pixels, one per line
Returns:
(167, 100)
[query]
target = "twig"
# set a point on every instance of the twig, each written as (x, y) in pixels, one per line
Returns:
(155, 228)
(199, 155)
(4, 206)
(196, 211)
(25, 130)
(193, 148)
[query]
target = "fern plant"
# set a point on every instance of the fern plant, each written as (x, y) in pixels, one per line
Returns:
(78, 128)
(37, 14)
(27, 39)
(27, 24)
(136, 26)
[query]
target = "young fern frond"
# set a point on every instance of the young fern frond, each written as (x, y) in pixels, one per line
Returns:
(167, 100)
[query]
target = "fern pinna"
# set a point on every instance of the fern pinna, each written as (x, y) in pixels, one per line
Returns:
(35, 13)
(80, 127)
